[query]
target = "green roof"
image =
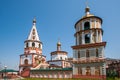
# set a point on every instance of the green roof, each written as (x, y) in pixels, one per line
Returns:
(54, 69)
(8, 70)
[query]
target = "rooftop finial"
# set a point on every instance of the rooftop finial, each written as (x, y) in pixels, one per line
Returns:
(58, 43)
(34, 20)
(87, 9)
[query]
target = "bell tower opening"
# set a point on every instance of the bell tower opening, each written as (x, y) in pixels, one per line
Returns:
(87, 25)
(26, 44)
(33, 44)
(87, 38)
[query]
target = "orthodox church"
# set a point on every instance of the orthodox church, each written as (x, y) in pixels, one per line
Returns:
(88, 59)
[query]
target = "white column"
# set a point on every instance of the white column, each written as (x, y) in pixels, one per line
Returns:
(75, 71)
(91, 41)
(90, 23)
(82, 25)
(100, 36)
(95, 23)
(92, 70)
(96, 35)
(83, 71)
(77, 39)
(83, 38)
(103, 52)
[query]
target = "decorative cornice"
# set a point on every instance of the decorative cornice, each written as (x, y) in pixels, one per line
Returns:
(88, 61)
(89, 45)
(55, 60)
(32, 54)
(93, 29)
(33, 41)
(32, 48)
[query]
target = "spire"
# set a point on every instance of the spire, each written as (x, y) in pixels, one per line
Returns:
(58, 46)
(33, 33)
(87, 9)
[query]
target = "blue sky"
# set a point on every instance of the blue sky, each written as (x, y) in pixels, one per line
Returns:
(55, 19)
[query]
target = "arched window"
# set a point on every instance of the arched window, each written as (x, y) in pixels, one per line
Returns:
(60, 58)
(33, 44)
(78, 54)
(26, 45)
(97, 55)
(87, 38)
(97, 70)
(26, 61)
(33, 37)
(33, 29)
(39, 46)
(86, 25)
(87, 54)
(88, 70)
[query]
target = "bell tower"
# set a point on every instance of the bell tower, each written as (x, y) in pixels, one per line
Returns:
(33, 43)
(32, 57)
(88, 52)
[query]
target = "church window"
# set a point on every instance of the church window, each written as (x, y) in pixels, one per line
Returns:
(87, 54)
(34, 30)
(39, 46)
(87, 25)
(26, 61)
(97, 55)
(33, 37)
(26, 45)
(88, 71)
(78, 54)
(97, 70)
(87, 38)
(61, 58)
(33, 44)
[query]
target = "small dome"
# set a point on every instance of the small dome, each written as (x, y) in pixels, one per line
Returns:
(58, 43)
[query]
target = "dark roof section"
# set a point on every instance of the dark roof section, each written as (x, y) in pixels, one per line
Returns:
(8, 70)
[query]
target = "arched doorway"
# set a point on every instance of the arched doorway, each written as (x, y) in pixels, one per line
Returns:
(26, 61)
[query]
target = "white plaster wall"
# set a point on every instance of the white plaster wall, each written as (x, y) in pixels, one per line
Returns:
(59, 63)
(29, 58)
(57, 57)
(83, 71)
(32, 51)
(92, 70)
(75, 70)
